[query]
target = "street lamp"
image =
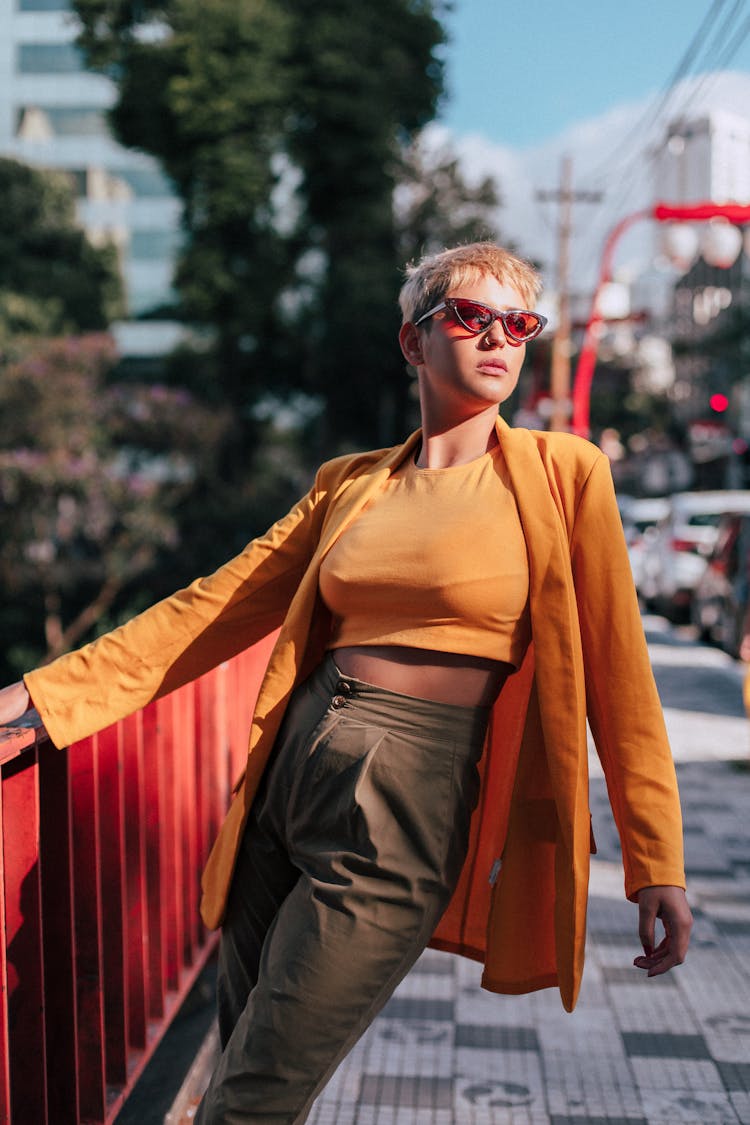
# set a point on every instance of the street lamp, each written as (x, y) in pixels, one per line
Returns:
(723, 217)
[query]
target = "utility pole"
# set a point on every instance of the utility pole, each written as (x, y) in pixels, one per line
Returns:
(561, 344)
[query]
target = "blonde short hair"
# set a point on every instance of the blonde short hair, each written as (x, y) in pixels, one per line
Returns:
(428, 280)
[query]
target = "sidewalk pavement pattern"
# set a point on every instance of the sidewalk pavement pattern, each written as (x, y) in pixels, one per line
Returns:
(673, 1050)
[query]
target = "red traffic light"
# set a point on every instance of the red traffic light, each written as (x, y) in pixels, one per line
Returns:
(719, 403)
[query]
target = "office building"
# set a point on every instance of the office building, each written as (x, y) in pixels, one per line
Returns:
(53, 115)
(704, 158)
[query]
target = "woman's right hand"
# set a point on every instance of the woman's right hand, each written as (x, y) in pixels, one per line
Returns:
(14, 702)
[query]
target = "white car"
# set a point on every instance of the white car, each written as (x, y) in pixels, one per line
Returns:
(639, 519)
(676, 555)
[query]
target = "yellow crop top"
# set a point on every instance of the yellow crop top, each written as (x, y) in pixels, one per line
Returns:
(436, 561)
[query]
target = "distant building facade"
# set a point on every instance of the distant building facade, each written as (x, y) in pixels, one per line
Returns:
(705, 158)
(53, 115)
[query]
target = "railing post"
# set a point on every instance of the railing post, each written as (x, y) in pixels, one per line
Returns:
(88, 929)
(170, 850)
(135, 880)
(187, 756)
(56, 862)
(114, 913)
(153, 788)
(24, 979)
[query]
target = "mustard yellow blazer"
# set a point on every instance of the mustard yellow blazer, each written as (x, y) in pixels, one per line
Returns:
(520, 906)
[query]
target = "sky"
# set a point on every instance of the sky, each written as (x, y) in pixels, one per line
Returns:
(519, 73)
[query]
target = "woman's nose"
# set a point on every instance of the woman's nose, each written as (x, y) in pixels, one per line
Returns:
(494, 336)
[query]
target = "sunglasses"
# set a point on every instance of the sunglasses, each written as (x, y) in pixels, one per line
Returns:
(519, 325)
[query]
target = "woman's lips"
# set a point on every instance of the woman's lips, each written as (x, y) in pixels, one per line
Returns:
(492, 366)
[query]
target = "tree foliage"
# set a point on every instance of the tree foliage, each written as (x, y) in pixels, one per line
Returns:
(290, 129)
(435, 204)
(91, 476)
(282, 124)
(368, 83)
(52, 279)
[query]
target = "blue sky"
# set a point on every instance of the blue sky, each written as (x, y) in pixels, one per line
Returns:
(574, 59)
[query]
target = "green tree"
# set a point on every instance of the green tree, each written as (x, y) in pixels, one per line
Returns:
(436, 206)
(280, 123)
(208, 95)
(370, 78)
(52, 279)
(92, 473)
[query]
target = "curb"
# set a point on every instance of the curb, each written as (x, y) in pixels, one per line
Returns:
(190, 1093)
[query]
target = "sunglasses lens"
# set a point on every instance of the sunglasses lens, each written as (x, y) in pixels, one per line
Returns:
(522, 325)
(519, 324)
(477, 318)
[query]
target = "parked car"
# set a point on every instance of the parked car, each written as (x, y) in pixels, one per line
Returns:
(678, 551)
(720, 599)
(639, 518)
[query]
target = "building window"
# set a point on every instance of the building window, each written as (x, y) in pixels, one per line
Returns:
(49, 58)
(69, 121)
(154, 245)
(78, 179)
(44, 5)
(145, 182)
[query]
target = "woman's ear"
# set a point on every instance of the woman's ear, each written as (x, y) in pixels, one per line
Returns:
(411, 344)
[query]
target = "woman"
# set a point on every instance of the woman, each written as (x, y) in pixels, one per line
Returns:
(451, 612)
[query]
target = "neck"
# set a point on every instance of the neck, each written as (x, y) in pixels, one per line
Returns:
(456, 444)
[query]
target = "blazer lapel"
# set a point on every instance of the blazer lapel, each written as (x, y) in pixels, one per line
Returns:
(554, 620)
(531, 488)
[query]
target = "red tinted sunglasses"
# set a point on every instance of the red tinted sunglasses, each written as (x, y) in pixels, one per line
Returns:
(519, 325)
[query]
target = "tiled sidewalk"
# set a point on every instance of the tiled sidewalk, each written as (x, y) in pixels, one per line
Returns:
(645, 1052)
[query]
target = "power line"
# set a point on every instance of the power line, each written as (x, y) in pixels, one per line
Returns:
(710, 41)
(716, 40)
(729, 53)
(653, 111)
(698, 41)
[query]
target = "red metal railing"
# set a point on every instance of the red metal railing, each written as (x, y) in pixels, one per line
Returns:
(102, 849)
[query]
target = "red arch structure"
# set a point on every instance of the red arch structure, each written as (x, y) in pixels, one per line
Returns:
(661, 213)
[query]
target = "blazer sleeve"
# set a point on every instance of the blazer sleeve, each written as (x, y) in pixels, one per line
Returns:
(623, 706)
(181, 637)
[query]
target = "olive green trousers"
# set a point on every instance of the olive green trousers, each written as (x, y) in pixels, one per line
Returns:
(353, 847)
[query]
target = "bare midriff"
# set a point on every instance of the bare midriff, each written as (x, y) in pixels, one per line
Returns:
(446, 677)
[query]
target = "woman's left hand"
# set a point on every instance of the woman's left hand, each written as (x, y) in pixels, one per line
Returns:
(14, 702)
(671, 905)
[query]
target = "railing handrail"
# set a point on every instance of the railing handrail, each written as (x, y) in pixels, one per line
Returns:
(101, 847)
(21, 734)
